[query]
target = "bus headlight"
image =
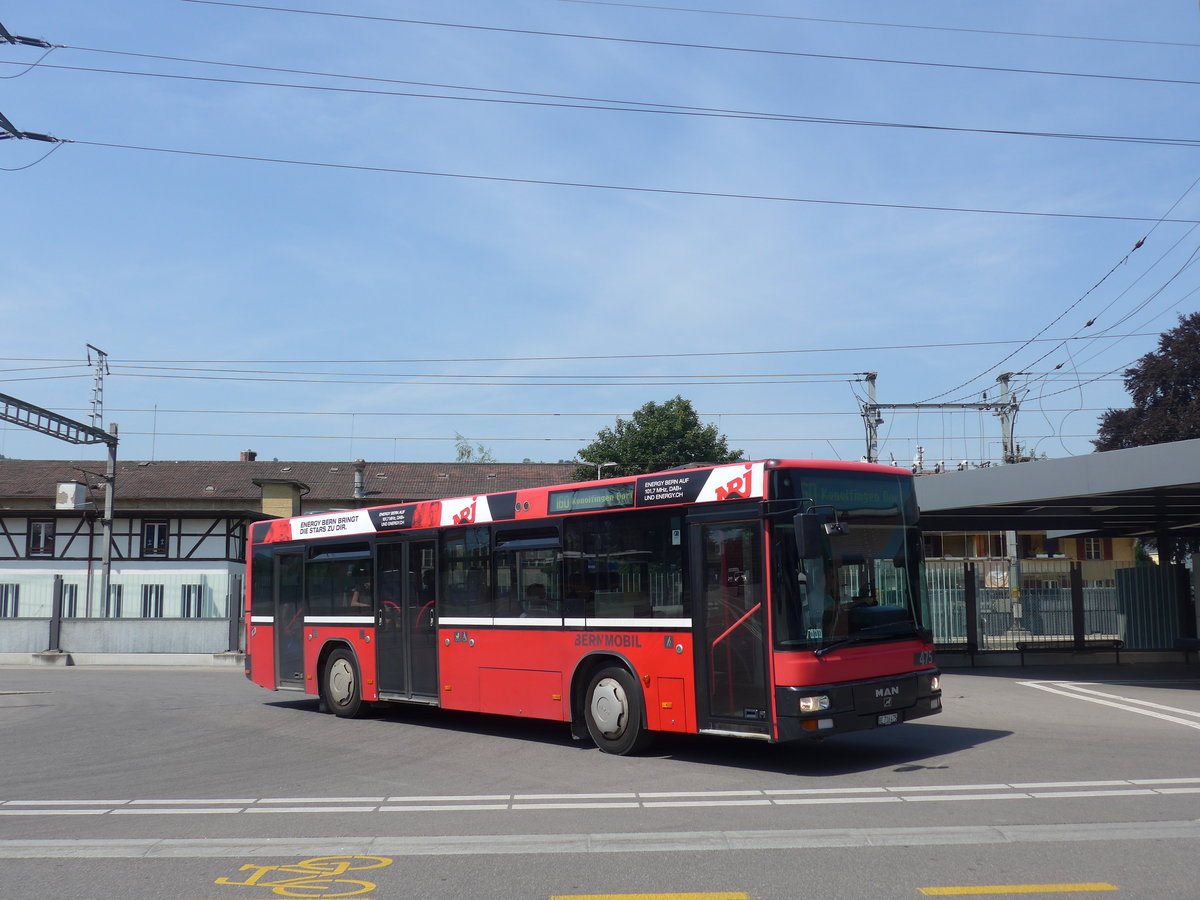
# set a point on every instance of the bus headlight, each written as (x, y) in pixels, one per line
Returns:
(935, 683)
(814, 704)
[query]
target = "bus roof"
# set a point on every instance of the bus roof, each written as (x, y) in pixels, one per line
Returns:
(671, 487)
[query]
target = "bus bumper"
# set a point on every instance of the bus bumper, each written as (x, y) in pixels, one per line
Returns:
(818, 712)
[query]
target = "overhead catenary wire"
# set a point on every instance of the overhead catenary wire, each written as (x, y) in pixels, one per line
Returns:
(583, 103)
(1044, 329)
(691, 46)
(1090, 290)
(1154, 294)
(584, 439)
(860, 22)
(700, 354)
(547, 377)
(840, 376)
(768, 414)
(390, 380)
(635, 189)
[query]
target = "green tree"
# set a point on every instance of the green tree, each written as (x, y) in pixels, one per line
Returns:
(465, 453)
(1165, 388)
(657, 436)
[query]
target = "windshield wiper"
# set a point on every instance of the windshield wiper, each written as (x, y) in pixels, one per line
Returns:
(863, 635)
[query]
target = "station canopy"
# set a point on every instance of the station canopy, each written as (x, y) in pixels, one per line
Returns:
(1140, 492)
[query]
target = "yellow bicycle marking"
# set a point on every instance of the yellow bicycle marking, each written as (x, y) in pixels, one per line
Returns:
(315, 877)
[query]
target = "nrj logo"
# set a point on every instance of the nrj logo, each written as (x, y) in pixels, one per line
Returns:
(467, 515)
(738, 488)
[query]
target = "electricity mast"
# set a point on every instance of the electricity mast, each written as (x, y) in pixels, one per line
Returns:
(1005, 408)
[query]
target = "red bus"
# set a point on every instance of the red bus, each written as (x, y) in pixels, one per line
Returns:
(773, 600)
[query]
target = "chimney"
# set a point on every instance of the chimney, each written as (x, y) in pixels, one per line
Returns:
(360, 492)
(248, 456)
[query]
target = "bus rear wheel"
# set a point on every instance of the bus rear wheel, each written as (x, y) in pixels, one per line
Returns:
(613, 712)
(341, 685)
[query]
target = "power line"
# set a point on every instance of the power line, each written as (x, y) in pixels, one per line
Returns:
(590, 104)
(1086, 293)
(526, 439)
(1145, 302)
(771, 414)
(750, 15)
(719, 195)
(576, 358)
(1045, 328)
(693, 46)
(444, 375)
(391, 380)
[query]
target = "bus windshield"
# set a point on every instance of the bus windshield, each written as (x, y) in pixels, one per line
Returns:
(863, 581)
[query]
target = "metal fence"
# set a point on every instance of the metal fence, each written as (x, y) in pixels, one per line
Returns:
(137, 595)
(983, 605)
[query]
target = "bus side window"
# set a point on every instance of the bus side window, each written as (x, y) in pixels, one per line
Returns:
(465, 569)
(627, 565)
(578, 599)
(262, 586)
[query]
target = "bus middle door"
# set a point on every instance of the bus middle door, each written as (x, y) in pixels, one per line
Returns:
(406, 621)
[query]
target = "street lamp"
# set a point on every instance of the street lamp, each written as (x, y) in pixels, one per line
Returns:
(600, 467)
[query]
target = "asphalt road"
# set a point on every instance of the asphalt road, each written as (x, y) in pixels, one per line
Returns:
(192, 784)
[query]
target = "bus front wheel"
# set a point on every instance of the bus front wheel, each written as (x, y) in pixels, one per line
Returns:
(341, 685)
(613, 712)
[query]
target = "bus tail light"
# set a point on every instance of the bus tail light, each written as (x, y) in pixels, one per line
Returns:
(814, 704)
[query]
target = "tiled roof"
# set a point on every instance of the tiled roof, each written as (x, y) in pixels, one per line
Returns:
(231, 482)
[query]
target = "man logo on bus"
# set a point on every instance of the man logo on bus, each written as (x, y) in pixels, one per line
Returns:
(467, 516)
(738, 488)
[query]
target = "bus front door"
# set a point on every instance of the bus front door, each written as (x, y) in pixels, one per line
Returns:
(731, 619)
(406, 621)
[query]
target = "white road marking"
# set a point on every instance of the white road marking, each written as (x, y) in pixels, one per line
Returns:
(1075, 691)
(1077, 686)
(646, 800)
(621, 842)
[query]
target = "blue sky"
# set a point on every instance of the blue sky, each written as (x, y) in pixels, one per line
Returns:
(435, 259)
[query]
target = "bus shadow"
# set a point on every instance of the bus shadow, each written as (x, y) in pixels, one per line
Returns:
(481, 724)
(308, 704)
(903, 748)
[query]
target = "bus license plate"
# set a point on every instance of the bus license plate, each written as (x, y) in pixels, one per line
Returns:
(889, 718)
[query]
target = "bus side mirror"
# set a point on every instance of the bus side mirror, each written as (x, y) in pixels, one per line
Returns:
(810, 536)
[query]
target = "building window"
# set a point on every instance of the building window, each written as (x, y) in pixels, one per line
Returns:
(152, 601)
(933, 545)
(112, 603)
(993, 545)
(191, 601)
(1093, 548)
(41, 538)
(154, 537)
(70, 601)
(9, 596)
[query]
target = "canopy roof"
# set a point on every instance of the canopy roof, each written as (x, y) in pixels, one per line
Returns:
(1139, 492)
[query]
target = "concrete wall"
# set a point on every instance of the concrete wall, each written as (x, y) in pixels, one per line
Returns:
(117, 635)
(24, 635)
